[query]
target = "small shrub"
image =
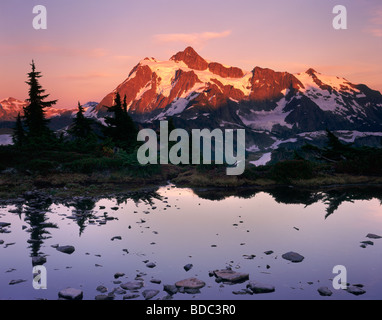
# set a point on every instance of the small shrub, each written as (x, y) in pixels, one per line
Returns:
(41, 165)
(91, 165)
(285, 171)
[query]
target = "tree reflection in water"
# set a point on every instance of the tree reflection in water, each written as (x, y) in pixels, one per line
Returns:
(332, 197)
(36, 217)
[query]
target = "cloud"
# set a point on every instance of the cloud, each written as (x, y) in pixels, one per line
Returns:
(86, 76)
(51, 49)
(375, 24)
(193, 39)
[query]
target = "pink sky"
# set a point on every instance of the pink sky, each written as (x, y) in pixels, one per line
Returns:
(91, 46)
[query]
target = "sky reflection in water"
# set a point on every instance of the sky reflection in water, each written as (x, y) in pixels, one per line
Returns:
(173, 227)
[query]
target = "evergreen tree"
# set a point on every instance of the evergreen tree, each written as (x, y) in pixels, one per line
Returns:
(18, 136)
(333, 142)
(81, 128)
(34, 113)
(120, 127)
(130, 129)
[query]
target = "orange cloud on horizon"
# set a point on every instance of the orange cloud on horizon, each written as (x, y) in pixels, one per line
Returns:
(193, 39)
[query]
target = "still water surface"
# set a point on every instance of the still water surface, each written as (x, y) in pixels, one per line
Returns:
(172, 227)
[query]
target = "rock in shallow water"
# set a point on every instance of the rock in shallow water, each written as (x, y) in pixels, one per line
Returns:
(133, 285)
(101, 289)
(373, 236)
(156, 281)
(324, 292)
(170, 289)
(231, 276)
(13, 282)
(71, 294)
(149, 294)
(4, 224)
(130, 296)
(103, 297)
(66, 249)
(293, 257)
(191, 283)
(118, 275)
(258, 288)
(188, 267)
(38, 261)
(357, 291)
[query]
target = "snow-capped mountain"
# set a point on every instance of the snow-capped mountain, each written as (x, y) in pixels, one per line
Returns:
(275, 108)
(191, 88)
(59, 118)
(11, 107)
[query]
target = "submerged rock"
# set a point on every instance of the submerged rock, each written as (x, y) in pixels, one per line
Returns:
(133, 285)
(38, 261)
(13, 282)
(293, 257)
(259, 288)
(151, 265)
(170, 289)
(66, 249)
(101, 289)
(149, 294)
(191, 291)
(4, 224)
(324, 292)
(119, 291)
(231, 276)
(104, 297)
(367, 243)
(71, 294)
(130, 296)
(357, 291)
(156, 281)
(190, 283)
(188, 267)
(373, 236)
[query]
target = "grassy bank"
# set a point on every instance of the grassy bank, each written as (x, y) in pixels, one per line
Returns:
(95, 168)
(13, 185)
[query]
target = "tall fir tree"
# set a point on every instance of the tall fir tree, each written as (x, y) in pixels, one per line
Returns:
(81, 128)
(120, 127)
(18, 136)
(131, 131)
(34, 113)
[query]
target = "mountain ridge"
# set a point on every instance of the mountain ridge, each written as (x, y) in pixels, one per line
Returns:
(277, 109)
(266, 98)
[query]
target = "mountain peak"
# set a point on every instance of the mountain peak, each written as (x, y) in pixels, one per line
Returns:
(191, 58)
(10, 100)
(311, 72)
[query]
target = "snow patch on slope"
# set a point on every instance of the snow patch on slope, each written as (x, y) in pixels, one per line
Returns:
(323, 98)
(165, 70)
(265, 120)
(265, 158)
